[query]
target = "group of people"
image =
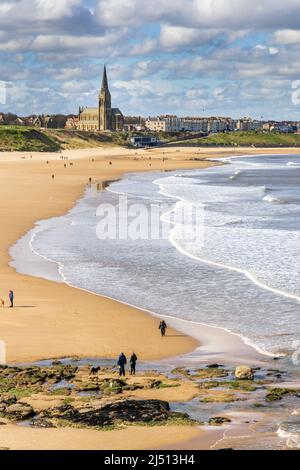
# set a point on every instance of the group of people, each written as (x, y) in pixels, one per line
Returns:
(11, 298)
(122, 360)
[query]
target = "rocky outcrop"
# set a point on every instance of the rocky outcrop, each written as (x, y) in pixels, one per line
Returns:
(277, 394)
(7, 399)
(244, 373)
(128, 411)
(18, 411)
(218, 421)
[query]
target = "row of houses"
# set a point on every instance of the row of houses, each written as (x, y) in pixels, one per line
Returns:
(173, 123)
(57, 121)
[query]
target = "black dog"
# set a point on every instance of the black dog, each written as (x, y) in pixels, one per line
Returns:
(94, 370)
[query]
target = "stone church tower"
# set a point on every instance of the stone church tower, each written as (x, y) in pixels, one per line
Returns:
(104, 117)
(105, 105)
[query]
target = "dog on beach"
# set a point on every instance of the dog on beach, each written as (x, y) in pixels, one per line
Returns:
(94, 370)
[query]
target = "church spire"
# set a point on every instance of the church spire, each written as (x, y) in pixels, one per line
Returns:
(104, 80)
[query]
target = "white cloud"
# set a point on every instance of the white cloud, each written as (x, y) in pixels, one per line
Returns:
(174, 37)
(288, 36)
(225, 14)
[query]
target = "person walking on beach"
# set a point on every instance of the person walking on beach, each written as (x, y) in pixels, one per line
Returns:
(122, 361)
(133, 361)
(11, 297)
(162, 327)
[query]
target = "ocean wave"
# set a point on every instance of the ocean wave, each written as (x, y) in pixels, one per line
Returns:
(273, 200)
(290, 431)
(236, 174)
(293, 164)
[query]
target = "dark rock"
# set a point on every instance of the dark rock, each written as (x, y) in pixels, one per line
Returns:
(214, 366)
(131, 411)
(218, 421)
(155, 384)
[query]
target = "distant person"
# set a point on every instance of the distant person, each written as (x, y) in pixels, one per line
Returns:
(11, 297)
(162, 327)
(53, 177)
(2, 302)
(133, 361)
(122, 361)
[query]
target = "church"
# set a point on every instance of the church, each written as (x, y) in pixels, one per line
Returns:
(103, 118)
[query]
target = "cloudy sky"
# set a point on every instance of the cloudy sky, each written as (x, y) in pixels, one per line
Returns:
(189, 57)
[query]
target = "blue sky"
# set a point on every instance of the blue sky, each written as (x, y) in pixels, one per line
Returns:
(187, 57)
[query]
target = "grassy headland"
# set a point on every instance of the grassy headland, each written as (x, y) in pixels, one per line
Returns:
(28, 139)
(246, 139)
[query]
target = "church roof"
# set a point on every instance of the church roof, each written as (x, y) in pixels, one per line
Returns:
(89, 110)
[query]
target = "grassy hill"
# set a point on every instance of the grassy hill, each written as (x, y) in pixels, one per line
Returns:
(14, 138)
(247, 139)
(27, 139)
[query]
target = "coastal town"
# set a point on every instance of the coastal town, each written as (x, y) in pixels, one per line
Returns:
(105, 118)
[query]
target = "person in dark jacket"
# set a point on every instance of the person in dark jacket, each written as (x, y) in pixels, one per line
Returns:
(122, 361)
(11, 297)
(162, 327)
(133, 361)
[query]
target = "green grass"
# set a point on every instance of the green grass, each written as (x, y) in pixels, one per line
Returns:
(26, 139)
(248, 139)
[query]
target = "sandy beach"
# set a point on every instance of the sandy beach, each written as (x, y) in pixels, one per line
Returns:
(52, 320)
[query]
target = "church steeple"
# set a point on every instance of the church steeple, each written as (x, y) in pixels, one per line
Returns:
(104, 104)
(104, 80)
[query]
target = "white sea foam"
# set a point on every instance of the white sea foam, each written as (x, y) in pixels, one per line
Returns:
(290, 431)
(272, 199)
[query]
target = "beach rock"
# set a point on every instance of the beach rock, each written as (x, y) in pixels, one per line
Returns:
(88, 387)
(244, 373)
(277, 394)
(218, 421)
(56, 362)
(214, 366)
(41, 423)
(113, 386)
(19, 411)
(155, 384)
(7, 399)
(130, 411)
